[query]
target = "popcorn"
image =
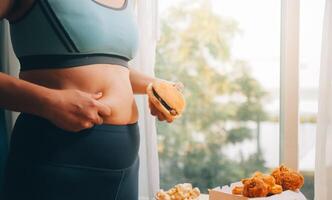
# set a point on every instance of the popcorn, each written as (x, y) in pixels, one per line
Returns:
(183, 191)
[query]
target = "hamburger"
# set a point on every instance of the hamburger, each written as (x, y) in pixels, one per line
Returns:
(167, 98)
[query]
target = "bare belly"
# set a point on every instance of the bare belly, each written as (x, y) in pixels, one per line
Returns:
(112, 80)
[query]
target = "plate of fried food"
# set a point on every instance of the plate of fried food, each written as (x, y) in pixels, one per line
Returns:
(183, 191)
(282, 183)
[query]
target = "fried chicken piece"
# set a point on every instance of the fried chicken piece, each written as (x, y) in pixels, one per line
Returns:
(276, 189)
(255, 187)
(237, 190)
(292, 181)
(273, 188)
(288, 178)
(268, 179)
(278, 173)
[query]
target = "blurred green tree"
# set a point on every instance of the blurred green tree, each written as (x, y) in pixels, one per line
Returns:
(223, 99)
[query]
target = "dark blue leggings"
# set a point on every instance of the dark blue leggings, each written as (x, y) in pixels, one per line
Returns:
(48, 163)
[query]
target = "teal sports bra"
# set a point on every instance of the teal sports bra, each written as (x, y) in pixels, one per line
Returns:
(69, 33)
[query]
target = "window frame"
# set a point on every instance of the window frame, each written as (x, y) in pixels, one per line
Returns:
(289, 83)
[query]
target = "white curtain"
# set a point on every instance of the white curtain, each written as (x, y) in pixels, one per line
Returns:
(147, 14)
(323, 169)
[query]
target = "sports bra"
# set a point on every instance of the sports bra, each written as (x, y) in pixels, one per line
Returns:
(68, 33)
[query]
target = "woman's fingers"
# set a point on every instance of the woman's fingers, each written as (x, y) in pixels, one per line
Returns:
(102, 109)
(161, 117)
(153, 109)
(169, 120)
(97, 95)
(179, 86)
(98, 120)
(153, 112)
(77, 110)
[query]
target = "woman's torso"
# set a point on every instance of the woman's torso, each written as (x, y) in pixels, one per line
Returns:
(87, 40)
(112, 80)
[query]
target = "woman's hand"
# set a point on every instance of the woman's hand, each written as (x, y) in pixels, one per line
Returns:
(140, 81)
(74, 110)
(155, 112)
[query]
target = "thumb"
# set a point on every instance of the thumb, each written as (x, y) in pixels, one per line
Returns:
(179, 86)
(97, 95)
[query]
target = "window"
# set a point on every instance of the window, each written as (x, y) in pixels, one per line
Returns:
(228, 57)
(227, 53)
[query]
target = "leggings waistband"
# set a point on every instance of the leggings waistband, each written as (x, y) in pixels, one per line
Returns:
(106, 146)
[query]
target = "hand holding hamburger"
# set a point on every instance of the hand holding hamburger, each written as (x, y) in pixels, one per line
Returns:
(166, 100)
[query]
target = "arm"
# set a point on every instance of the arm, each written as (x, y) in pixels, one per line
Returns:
(140, 81)
(22, 96)
(71, 110)
(5, 7)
